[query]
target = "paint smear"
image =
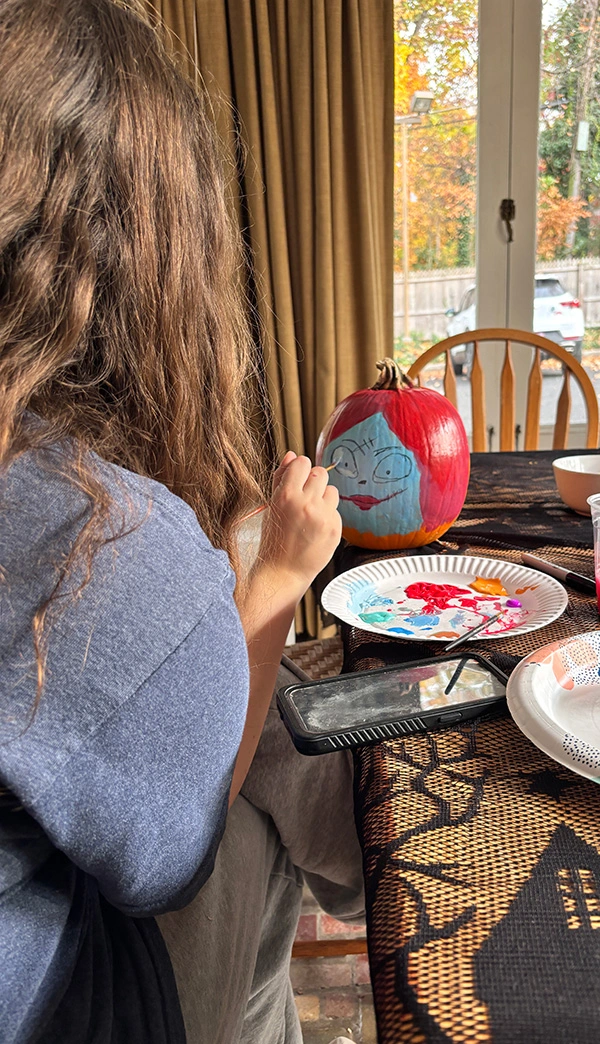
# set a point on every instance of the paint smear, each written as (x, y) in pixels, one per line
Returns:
(430, 610)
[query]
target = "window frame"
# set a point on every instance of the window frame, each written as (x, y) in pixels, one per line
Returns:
(510, 34)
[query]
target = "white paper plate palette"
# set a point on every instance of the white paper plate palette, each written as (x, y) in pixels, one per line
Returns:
(430, 597)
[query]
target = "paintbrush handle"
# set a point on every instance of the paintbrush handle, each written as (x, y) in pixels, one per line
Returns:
(257, 511)
(470, 634)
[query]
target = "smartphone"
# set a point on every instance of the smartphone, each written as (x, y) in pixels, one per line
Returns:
(353, 710)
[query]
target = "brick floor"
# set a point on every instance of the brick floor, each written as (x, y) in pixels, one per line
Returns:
(329, 928)
(333, 994)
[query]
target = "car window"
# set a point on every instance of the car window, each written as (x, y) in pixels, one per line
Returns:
(548, 288)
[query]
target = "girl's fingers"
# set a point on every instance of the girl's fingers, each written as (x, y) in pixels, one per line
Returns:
(294, 474)
(278, 475)
(331, 495)
(317, 481)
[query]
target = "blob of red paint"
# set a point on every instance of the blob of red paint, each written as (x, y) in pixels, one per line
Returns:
(439, 596)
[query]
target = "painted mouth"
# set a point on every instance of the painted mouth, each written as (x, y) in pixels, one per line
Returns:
(366, 502)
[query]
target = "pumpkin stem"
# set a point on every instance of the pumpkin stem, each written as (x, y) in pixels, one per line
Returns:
(391, 377)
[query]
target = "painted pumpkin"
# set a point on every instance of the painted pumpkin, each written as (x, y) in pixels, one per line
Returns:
(402, 462)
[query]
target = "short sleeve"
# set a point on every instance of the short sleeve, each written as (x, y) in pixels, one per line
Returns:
(141, 805)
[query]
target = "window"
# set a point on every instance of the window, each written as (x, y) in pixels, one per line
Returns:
(436, 167)
(498, 72)
(548, 288)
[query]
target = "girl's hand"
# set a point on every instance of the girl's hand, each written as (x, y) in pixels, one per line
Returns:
(301, 530)
(302, 526)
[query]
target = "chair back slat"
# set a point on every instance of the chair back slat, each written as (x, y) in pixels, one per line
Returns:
(534, 403)
(563, 413)
(478, 401)
(450, 380)
(507, 402)
(507, 387)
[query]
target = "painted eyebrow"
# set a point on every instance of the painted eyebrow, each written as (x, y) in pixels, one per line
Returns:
(351, 442)
(386, 449)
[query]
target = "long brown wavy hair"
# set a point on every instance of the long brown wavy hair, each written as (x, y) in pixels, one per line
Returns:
(122, 326)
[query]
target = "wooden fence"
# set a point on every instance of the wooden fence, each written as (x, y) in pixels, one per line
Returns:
(432, 292)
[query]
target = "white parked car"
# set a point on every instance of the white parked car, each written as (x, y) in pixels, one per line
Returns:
(557, 315)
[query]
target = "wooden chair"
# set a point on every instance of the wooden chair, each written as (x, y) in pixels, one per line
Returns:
(507, 387)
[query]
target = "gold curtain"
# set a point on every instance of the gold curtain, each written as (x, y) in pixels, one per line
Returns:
(309, 86)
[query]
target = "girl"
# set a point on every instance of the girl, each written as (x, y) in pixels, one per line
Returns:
(133, 692)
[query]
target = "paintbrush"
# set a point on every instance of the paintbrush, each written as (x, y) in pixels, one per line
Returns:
(470, 634)
(263, 507)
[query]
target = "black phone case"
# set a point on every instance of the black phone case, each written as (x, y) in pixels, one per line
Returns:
(401, 725)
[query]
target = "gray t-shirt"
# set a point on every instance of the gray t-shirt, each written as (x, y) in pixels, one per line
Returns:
(118, 786)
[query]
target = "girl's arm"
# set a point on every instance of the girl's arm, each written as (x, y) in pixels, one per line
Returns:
(301, 531)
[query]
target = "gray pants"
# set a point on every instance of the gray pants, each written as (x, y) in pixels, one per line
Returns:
(231, 946)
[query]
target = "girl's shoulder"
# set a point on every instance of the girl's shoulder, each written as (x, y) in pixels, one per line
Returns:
(157, 595)
(152, 578)
(44, 503)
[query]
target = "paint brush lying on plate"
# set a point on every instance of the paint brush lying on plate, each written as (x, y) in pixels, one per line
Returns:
(470, 634)
(263, 507)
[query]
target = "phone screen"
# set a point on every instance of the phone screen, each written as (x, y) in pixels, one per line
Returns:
(350, 701)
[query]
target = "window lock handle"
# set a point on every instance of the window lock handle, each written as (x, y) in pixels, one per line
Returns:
(507, 213)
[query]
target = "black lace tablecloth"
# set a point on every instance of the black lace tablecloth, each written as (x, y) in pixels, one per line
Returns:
(481, 855)
(513, 496)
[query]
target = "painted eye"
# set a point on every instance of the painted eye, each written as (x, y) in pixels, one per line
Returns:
(394, 467)
(346, 462)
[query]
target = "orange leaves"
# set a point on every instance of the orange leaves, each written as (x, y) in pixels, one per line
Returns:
(555, 214)
(441, 192)
(436, 50)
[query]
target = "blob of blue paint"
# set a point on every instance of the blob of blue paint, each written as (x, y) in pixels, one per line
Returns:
(457, 620)
(364, 595)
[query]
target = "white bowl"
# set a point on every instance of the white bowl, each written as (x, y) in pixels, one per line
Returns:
(577, 478)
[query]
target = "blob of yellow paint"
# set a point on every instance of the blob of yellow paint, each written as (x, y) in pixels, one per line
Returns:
(488, 585)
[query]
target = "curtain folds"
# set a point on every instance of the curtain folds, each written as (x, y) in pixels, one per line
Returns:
(308, 87)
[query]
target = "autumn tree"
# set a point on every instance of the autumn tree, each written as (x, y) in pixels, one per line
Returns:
(436, 50)
(569, 194)
(556, 216)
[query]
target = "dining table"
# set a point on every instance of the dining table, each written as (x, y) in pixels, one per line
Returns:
(482, 854)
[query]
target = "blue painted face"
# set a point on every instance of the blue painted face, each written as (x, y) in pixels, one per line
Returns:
(375, 471)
